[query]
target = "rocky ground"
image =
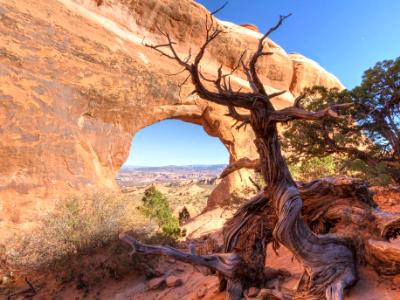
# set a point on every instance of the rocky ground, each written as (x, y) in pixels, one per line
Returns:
(172, 280)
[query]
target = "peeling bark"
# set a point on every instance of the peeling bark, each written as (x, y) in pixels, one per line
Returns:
(328, 261)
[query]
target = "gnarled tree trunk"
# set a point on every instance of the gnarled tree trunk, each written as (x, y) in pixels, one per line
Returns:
(329, 260)
(343, 206)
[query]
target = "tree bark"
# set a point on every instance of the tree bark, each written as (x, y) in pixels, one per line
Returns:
(329, 262)
(343, 206)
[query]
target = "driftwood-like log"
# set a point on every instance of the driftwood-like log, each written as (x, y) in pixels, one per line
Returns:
(228, 264)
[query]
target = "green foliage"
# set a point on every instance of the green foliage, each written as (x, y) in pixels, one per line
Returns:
(377, 100)
(313, 168)
(376, 175)
(156, 207)
(370, 134)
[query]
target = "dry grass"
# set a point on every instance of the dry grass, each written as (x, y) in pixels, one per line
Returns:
(78, 225)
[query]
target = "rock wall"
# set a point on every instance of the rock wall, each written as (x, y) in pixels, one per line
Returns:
(76, 84)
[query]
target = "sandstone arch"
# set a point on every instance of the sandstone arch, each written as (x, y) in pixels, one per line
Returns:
(211, 118)
(76, 83)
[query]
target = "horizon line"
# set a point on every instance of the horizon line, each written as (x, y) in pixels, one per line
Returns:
(172, 165)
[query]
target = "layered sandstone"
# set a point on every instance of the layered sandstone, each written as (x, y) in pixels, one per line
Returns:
(77, 83)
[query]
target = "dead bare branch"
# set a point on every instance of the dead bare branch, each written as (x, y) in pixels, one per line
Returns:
(219, 9)
(298, 100)
(294, 113)
(225, 263)
(259, 53)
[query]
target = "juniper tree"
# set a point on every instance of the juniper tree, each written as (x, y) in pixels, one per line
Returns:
(371, 135)
(277, 215)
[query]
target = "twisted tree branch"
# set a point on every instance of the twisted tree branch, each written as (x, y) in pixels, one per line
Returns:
(240, 164)
(294, 113)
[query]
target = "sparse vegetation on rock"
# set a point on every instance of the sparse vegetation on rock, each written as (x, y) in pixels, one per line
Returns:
(77, 225)
(77, 83)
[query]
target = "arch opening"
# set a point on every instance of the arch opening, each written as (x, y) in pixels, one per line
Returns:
(179, 158)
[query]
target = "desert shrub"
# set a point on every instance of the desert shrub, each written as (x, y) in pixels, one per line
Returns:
(376, 175)
(79, 222)
(78, 225)
(317, 167)
(156, 207)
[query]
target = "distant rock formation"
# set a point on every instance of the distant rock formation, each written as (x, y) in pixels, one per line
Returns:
(76, 84)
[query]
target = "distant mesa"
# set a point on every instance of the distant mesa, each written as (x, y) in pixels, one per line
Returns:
(172, 168)
(173, 175)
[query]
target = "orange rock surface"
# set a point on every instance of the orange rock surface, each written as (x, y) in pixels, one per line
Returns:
(77, 83)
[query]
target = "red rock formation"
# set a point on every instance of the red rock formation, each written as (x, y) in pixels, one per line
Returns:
(76, 84)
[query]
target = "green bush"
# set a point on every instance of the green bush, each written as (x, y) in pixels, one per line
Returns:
(317, 167)
(376, 175)
(314, 168)
(156, 207)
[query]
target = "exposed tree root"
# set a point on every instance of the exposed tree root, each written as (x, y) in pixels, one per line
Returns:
(345, 207)
(227, 264)
(246, 236)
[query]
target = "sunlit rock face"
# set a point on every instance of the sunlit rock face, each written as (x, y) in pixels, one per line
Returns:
(77, 83)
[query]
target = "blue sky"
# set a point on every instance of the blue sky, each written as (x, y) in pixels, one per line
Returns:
(344, 36)
(173, 142)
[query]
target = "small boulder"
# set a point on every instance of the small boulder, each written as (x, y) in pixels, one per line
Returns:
(252, 292)
(173, 281)
(150, 272)
(155, 283)
(191, 296)
(201, 293)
